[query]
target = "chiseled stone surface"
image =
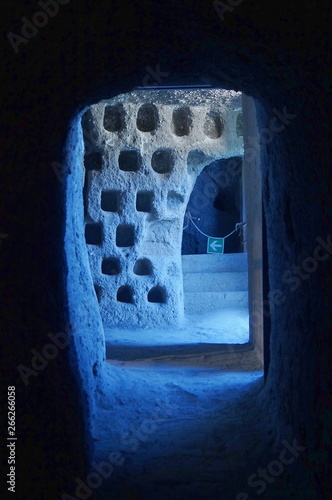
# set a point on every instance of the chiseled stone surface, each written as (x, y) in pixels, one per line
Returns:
(143, 153)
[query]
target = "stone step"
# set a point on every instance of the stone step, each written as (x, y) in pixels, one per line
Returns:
(214, 263)
(215, 282)
(198, 302)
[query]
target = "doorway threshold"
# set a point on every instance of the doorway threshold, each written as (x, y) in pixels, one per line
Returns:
(219, 338)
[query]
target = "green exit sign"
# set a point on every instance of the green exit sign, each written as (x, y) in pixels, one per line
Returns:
(215, 245)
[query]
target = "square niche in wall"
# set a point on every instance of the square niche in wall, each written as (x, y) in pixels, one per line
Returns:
(144, 201)
(93, 233)
(110, 200)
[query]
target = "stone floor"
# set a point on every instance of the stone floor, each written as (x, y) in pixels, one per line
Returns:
(199, 335)
(186, 431)
(227, 326)
(176, 426)
(187, 434)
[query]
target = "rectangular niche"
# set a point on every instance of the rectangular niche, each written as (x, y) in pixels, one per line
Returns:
(111, 266)
(93, 161)
(129, 160)
(144, 201)
(125, 235)
(93, 233)
(110, 201)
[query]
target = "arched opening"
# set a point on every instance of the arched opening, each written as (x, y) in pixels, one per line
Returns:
(143, 267)
(111, 266)
(202, 269)
(162, 161)
(157, 295)
(125, 294)
(182, 121)
(143, 297)
(159, 222)
(147, 118)
(114, 118)
(213, 124)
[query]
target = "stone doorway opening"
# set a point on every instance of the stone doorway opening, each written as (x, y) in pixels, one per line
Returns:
(144, 152)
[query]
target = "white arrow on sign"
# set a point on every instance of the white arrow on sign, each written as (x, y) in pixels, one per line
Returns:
(215, 245)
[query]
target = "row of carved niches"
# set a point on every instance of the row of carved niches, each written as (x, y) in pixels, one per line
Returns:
(147, 120)
(111, 267)
(125, 294)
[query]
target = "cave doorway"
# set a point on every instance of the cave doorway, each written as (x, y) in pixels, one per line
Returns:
(215, 206)
(126, 294)
(214, 261)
